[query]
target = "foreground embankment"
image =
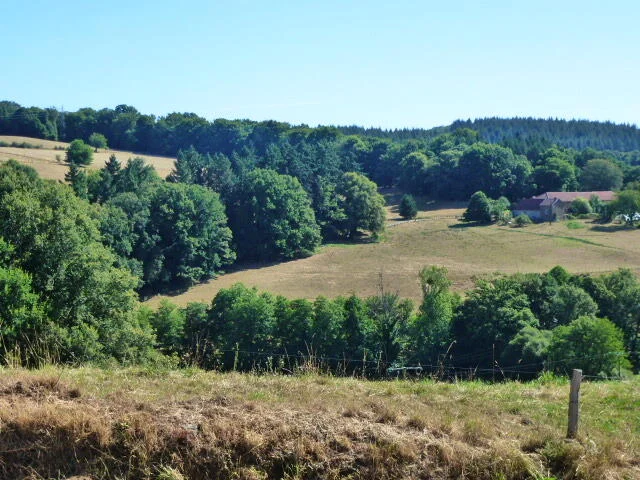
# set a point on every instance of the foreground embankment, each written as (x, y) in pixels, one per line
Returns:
(147, 423)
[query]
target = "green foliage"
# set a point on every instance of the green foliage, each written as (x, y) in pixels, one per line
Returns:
(210, 171)
(617, 296)
(494, 170)
(430, 331)
(25, 333)
(575, 225)
(627, 203)
(501, 209)
(389, 318)
(97, 140)
(408, 208)
(581, 206)
(77, 178)
(55, 239)
(190, 233)
(413, 169)
(522, 220)
(363, 206)
(594, 345)
(567, 303)
(489, 318)
(79, 153)
(479, 209)
(168, 322)
(272, 218)
(601, 174)
(242, 320)
(528, 348)
(556, 173)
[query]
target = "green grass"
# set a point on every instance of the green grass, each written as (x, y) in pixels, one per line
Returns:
(575, 225)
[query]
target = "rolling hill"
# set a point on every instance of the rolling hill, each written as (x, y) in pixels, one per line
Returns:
(47, 156)
(435, 238)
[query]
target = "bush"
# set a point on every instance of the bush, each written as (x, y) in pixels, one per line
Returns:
(97, 140)
(79, 153)
(408, 208)
(523, 220)
(581, 206)
(479, 209)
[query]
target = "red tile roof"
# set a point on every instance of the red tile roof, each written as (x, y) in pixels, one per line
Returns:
(605, 196)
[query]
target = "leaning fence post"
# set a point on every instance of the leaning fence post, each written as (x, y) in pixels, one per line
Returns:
(574, 404)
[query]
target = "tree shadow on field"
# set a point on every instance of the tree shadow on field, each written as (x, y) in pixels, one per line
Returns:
(468, 224)
(611, 228)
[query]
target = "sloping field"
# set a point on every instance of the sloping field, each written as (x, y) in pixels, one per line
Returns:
(49, 161)
(190, 424)
(436, 238)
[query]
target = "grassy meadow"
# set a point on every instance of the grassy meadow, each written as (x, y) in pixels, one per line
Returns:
(44, 158)
(146, 423)
(436, 237)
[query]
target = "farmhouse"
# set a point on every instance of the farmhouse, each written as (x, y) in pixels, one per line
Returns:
(550, 206)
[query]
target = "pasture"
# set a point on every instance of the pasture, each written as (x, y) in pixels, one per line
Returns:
(48, 158)
(437, 237)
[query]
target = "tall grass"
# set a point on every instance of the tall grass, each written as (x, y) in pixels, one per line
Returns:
(174, 424)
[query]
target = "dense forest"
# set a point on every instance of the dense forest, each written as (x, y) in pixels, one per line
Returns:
(74, 258)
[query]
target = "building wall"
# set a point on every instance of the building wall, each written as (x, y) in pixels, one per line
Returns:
(532, 214)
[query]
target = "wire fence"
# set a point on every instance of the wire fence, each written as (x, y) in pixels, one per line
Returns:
(449, 367)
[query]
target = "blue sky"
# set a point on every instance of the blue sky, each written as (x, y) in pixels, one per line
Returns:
(372, 63)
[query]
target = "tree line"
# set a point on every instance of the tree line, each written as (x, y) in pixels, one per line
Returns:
(514, 158)
(70, 268)
(506, 327)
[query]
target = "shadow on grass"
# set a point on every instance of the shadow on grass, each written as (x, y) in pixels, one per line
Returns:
(468, 224)
(611, 228)
(178, 288)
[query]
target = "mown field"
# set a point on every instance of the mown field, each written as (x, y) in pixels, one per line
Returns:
(190, 424)
(45, 158)
(437, 237)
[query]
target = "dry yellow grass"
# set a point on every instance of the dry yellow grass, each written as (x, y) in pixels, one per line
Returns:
(44, 159)
(436, 238)
(137, 423)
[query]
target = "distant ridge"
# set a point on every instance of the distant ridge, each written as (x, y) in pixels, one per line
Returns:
(128, 129)
(578, 134)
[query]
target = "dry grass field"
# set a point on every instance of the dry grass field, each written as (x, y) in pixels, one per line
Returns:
(155, 424)
(435, 238)
(45, 158)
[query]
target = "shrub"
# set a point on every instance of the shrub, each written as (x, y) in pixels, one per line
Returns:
(79, 153)
(408, 208)
(522, 220)
(479, 209)
(97, 140)
(581, 206)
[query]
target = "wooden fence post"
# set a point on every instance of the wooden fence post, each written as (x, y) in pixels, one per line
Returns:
(574, 404)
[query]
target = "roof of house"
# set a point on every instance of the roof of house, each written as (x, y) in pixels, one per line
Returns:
(605, 196)
(529, 204)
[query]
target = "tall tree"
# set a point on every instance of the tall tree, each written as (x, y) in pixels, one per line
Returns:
(601, 174)
(271, 217)
(363, 206)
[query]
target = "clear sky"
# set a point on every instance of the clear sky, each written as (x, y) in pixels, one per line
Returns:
(373, 63)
